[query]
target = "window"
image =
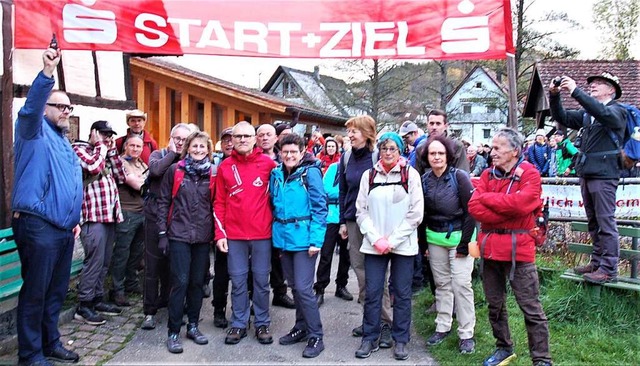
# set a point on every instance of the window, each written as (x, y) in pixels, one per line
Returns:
(466, 109)
(491, 109)
(486, 133)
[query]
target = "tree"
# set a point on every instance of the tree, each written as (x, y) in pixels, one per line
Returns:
(617, 22)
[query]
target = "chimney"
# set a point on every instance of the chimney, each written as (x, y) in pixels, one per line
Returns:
(316, 73)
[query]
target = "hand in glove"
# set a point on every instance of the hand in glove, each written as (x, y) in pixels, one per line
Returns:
(163, 245)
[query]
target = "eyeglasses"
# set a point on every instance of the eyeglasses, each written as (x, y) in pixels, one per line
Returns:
(179, 140)
(226, 141)
(240, 137)
(287, 153)
(389, 149)
(61, 107)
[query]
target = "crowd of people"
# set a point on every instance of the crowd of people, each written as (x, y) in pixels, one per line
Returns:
(400, 208)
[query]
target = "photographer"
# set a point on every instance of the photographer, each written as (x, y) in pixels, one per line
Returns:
(597, 163)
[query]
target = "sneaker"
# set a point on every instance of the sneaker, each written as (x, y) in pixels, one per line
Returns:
(284, 301)
(294, 336)
(585, 269)
(62, 355)
(400, 353)
(386, 341)
(366, 348)
(196, 335)
(437, 338)
(89, 316)
(174, 345)
(467, 346)
(149, 322)
(599, 277)
(357, 331)
(500, 357)
(264, 335)
(314, 347)
(220, 319)
(234, 335)
(344, 294)
(107, 309)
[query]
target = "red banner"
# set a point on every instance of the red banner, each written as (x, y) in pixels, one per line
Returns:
(422, 29)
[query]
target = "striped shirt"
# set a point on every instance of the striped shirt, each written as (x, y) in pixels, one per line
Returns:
(101, 201)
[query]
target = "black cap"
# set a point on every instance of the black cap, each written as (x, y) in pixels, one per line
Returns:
(226, 132)
(281, 127)
(103, 126)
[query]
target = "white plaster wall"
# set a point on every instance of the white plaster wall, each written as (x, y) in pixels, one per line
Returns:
(79, 72)
(111, 74)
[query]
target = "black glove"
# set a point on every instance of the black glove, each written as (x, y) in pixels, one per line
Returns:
(163, 245)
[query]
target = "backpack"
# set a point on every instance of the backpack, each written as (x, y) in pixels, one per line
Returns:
(375, 156)
(630, 146)
(178, 177)
(452, 177)
(404, 179)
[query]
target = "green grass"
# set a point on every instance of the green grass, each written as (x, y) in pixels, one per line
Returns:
(584, 331)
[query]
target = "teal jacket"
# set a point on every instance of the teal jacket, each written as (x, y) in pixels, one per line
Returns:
(332, 188)
(299, 206)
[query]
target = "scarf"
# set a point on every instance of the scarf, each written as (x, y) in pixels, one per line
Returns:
(195, 168)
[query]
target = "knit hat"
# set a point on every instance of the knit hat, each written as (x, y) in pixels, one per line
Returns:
(391, 136)
(541, 132)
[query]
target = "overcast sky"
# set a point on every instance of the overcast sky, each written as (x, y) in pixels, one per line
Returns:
(255, 72)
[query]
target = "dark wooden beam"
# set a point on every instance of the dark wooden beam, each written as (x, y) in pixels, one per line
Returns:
(96, 75)
(6, 133)
(20, 91)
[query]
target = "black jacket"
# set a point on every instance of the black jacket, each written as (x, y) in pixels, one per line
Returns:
(600, 160)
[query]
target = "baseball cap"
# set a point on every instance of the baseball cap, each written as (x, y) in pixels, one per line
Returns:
(407, 127)
(103, 126)
(227, 131)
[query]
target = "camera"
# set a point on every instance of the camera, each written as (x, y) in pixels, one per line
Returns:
(557, 81)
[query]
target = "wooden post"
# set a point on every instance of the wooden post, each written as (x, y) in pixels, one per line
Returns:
(185, 108)
(6, 133)
(207, 120)
(513, 92)
(164, 116)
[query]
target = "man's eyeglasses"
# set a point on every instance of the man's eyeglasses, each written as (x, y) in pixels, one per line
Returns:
(61, 107)
(240, 137)
(179, 140)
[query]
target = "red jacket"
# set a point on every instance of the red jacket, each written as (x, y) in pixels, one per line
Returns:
(149, 145)
(241, 208)
(498, 207)
(327, 160)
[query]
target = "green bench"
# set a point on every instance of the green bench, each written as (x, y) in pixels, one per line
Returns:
(631, 282)
(10, 266)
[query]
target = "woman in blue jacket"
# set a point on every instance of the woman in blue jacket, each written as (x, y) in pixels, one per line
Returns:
(299, 224)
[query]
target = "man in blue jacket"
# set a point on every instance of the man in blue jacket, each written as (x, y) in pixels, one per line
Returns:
(47, 198)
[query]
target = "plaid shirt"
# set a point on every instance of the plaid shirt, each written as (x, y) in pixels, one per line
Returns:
(101, 201)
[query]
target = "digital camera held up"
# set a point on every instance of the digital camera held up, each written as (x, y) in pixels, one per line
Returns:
(557, 81)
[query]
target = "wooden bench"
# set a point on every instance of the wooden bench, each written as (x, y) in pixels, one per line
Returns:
(631, 282)
(10, 266)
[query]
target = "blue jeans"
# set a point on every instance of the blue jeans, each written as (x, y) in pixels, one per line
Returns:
(240, 253)
(127, 252)
(375, 269)
(299, 270)
(45, 253)
(189, 264)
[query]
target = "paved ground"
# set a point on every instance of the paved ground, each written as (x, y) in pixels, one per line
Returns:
(121, 342)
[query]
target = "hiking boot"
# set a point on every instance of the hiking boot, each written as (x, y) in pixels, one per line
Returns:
(234, 335)
(599, 277)
(357, 331)
(89, 316)
(121, 300)
(149, 322)
(174, 345)
(437, 338)
(196, 335)
(585, 269)
(314, 347)
(500, 357)
(294, 336)
(467, 346)
(107, 309)
(386, 341)
(264, 335)
(62, 355)
(344, 294)
(220, 319)
(400, 353)
(319, 298)
(284, 301)
(366, 348)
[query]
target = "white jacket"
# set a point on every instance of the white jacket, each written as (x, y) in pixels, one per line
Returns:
(390, 211)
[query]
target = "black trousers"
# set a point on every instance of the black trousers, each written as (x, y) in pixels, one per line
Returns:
(331, 238)
(422, 269)
(220, 281)
(156, 271)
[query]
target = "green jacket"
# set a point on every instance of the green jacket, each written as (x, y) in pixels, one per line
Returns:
(564, 155)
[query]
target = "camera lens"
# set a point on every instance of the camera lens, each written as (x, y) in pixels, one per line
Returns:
(557, 81)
